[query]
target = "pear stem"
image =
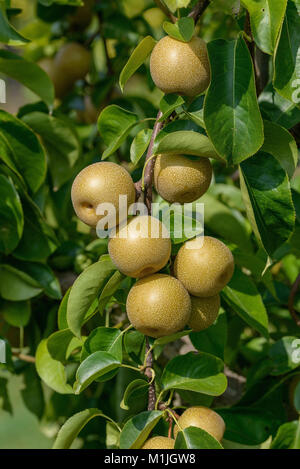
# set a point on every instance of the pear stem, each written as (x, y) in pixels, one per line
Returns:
(198, 9)
(165, 9)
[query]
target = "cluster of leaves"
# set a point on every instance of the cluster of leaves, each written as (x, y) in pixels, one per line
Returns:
(89, 357)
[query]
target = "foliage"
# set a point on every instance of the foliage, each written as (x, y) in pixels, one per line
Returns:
(62, 300)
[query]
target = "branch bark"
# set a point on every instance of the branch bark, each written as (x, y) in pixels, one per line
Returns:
(165, 9)
(198, 9)
(148, 176)
(251, 46)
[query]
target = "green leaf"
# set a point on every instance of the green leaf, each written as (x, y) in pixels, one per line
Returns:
(51, 371)
(43, 275)
(282, 145)
(170, 338)
(227, 223)
(137, 429)
(72, 427)
(278, 109)
(114, 124)
(136, 59)
(231, 113)
(187, 142)
(284, 355)
(28, 74)
(199, 372)
(266, 17)
(32, 393)
(182, 30)
(134, 343)
(93, 367)
(11, 214)
(17, 314)
(287, 56)
(23, 147)
(38, 240)
(61, 142)
(213, 339)
(196, 438)
(62, 311)
(267, 197)
(168, 104)
(139, 145)
(85, 290)
(8, 34)
(110, 288)
(136, 390)
(242, 295)
(173, 5)
(248, 426)
(287, 436)
(4, 397)
(105, 339)
(61, 344)
(16, 285)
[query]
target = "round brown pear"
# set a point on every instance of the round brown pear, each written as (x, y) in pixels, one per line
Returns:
(72, 62)
(99, 183)
(204, 266)
(204, 312)
(61, 83)
(159, 442)
(180, 179)
(202, 417)
(180, 67)
(158, 305)
(141, 247)
(82, 16)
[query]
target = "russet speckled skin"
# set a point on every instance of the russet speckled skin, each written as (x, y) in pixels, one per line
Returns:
(101, 182)
(180, 67)
(73, 60)
(159, 442)
(139, 254)
(204, 312)
(205, 270)
(158, 305)
(180, 179)
(202, 417)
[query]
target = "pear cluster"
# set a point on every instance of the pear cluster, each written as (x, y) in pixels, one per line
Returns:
(158, 304)
(199, 417)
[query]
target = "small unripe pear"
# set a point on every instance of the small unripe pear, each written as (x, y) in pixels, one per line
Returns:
(159, 442)
(204, 312)
(98, 183)
(60, 82)
(202, 417)
(72, 61)
(158, 305)
(82, 16)
(180, 179)
(204, 266)
(180, 67)
(141, 247)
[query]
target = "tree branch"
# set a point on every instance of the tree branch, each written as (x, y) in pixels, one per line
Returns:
(198, 9)
(148, 373)
(23, 357)
(295, 315)
(166, 10)
(148, 176)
